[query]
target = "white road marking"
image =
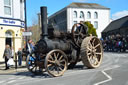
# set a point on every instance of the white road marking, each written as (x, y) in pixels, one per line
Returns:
(2, 81)
(11, 81)
(108, 76)
(21, 78)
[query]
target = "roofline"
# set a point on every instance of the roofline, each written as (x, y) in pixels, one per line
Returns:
(57, 12)
(73, 7)
(88, 7)
(113, 22)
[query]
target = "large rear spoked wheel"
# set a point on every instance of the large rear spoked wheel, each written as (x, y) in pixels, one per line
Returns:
(91, 52)
(56, 63)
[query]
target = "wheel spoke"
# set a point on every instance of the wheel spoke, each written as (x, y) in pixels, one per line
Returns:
(60, 68)
(92, 61)
(62, 65)
(97, 45)
(62, 61)
(51, 68)
(89, 54)
(98, 53)
(91, 57)
(55, 56)
(88, 48)
(51, 61)
(49, 65)
(96, 61)
(93, 41)
(51, 57)
(60, 57)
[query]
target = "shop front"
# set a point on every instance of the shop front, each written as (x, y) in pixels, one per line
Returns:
(10, 34)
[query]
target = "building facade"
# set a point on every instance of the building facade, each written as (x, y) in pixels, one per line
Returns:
(96, 14)
(11, 24)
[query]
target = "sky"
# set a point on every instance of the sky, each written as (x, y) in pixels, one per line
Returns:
(118, 8)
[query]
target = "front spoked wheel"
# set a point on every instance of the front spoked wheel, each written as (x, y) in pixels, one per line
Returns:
(32, 65)
(56, 63)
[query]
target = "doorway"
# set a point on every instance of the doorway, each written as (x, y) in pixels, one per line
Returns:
(9, 41)
(9, 38)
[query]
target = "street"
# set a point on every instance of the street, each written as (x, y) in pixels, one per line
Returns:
(113, 71)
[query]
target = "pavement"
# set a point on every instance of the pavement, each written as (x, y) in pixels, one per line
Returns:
(12, 69)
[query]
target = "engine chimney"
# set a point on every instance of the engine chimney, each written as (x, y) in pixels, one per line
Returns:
(44, 21)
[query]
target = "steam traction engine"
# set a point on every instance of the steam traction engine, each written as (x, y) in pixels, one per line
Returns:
(57, 50)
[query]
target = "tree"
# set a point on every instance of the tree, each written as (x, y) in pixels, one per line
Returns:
(36, 32)
(91, 29)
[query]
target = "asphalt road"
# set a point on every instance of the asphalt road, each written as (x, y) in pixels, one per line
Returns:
(113, 71)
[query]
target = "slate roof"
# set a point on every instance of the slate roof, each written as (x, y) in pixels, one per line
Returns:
(86, 5)
(117, 24)
(81, 5)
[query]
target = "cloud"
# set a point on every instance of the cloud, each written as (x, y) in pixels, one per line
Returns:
(120, 14)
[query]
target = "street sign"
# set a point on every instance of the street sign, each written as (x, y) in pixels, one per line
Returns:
(26, 33)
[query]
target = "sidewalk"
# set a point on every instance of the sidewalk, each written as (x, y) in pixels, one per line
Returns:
(12, 68)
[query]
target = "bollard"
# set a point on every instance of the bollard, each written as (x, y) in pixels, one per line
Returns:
(15, 61)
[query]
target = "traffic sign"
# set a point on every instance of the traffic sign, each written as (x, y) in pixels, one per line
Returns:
(26, 33)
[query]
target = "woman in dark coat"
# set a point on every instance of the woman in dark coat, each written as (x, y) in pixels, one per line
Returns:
(7, 55)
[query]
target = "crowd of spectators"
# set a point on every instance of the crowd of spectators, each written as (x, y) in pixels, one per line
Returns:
(115, 43)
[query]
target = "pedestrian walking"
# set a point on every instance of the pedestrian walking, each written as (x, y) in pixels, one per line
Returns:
(19, 56)
(7, 55)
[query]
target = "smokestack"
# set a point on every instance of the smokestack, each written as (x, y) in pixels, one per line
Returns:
(44, 21)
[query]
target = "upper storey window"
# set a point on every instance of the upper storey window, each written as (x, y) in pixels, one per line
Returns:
(75, 14)
(81, 14)
(88, 15)
(96, 15)
(7, 7)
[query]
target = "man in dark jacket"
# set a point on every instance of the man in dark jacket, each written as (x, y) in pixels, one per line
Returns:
(7, 55)
(19, 56)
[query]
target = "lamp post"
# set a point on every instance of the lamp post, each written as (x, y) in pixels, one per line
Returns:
(25, 20)
(25, 14)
